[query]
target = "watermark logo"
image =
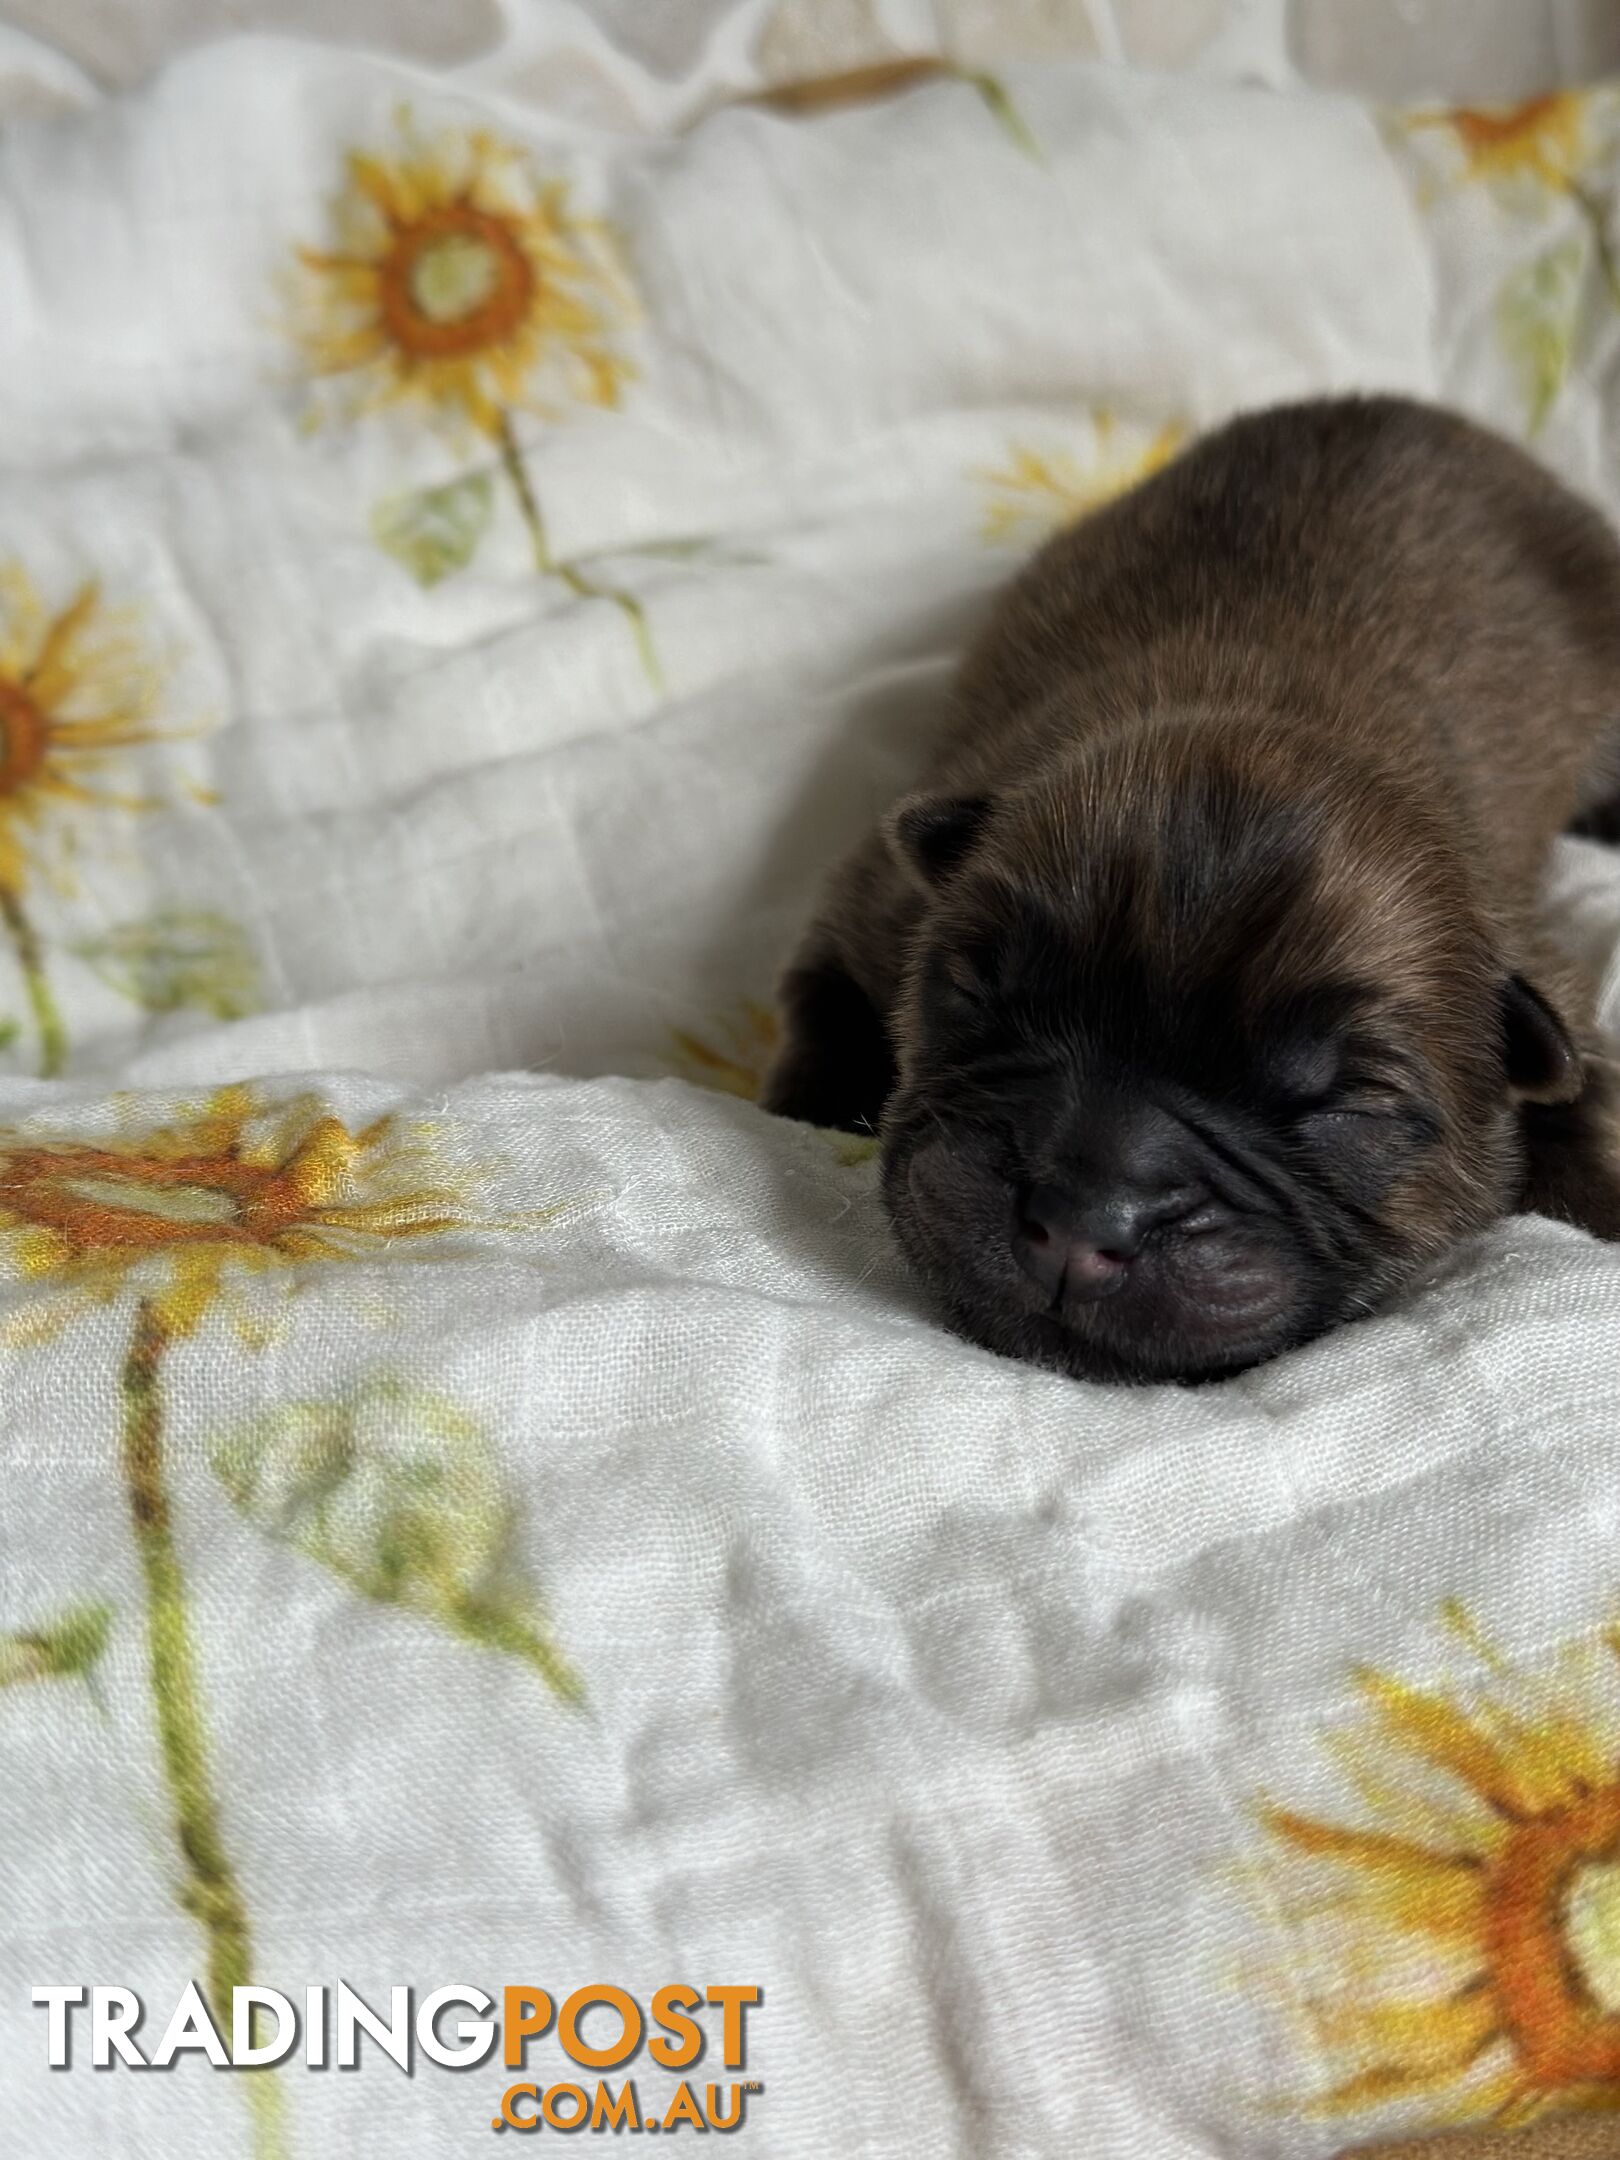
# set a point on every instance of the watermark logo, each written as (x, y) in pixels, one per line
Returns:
(598, 2028)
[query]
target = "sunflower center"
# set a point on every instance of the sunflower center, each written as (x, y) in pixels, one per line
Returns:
(1592, 1928)
(167, 1203)
(453, 277)
(1552, 1940)
(1488, 128)
(24, 738)
(456, 281)
(106, 1202)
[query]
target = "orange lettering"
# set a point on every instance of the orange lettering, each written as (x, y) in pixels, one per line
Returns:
(555, 2093)
(683, 2108)
(717, 2121)
(610, 2112)
(578, 2049)
(669, 2008)
(509, 2114)
(524, 2012)
(734, 2001)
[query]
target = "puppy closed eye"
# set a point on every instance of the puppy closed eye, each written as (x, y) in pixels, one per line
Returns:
(1349, 1085)
(984, 970)
(1327, 1071)
(1328, 1077)
(1353, 1096)
(1317, 1053)
(968, 971)
(1306, 1071)
(963, 976)
(1373, 1112)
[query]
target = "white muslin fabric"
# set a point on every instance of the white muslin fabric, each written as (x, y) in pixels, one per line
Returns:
(480, 1502)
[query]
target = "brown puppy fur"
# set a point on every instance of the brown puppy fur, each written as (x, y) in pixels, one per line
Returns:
(1203, 995)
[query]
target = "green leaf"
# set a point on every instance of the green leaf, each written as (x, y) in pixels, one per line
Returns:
(65, 1650)
(700, 547)
(1537, 314)
(1006, 112)
(178, 958)
(9, 1031)
(434, 531)
(398, 1492)
(682, 550)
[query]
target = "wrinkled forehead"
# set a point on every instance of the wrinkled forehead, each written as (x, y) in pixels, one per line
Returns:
(1133, 971)
(1183, 883)
(1107, 965)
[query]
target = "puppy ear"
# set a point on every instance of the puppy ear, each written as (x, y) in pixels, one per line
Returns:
(931, 834)
(1543, 1065)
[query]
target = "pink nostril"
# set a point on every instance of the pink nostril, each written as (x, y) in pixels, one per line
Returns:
(1060, 1257)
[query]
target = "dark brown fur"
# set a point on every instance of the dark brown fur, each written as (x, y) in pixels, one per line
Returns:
(1261, 763)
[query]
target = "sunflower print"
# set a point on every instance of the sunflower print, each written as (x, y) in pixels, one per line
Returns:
(1537, 159)
(735, 1056)
(1542, 138)
(1471, 1919)
(1038, 491)
(79, 694)
(239, 1186)
(170, 1215)
(461, 284)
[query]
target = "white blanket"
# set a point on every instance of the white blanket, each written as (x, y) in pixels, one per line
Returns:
(529, 1530)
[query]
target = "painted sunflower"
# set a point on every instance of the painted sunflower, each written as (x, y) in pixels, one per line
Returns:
(736, 1058)
(79, 691)
(1039, 491)
(1472, 1923)
(1543, 138)
(169, 1213)
(238, 1185)
(461, 282)
(1541, 160)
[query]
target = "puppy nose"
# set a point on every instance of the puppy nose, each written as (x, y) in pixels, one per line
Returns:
(1082, 1248)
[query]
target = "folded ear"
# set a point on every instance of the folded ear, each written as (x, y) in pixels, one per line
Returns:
(931, 834)
(1543, 1065)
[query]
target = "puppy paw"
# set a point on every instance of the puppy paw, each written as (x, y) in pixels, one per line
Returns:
(835, 1067)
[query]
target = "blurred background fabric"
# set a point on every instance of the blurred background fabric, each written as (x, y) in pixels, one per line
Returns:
(571, 56)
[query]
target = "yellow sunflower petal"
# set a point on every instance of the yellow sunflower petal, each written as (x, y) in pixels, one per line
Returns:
(1516, 1770)
(390, 188)
(551, 305)
(234, 1184)
(1416, 2045)
(53, 672)
(24, 620)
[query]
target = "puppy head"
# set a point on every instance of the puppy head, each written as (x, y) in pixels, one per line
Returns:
(1202, 1051)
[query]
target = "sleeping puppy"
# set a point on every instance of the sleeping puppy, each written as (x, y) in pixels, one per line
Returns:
(1201, 996)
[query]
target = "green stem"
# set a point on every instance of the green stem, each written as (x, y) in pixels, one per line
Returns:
(570, 574)
(1596, 214)
(31, 959)
(1006, 112)
(484, 1622)
(210, 1893)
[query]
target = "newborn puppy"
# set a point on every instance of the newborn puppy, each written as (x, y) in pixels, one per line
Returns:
(1202, 996)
